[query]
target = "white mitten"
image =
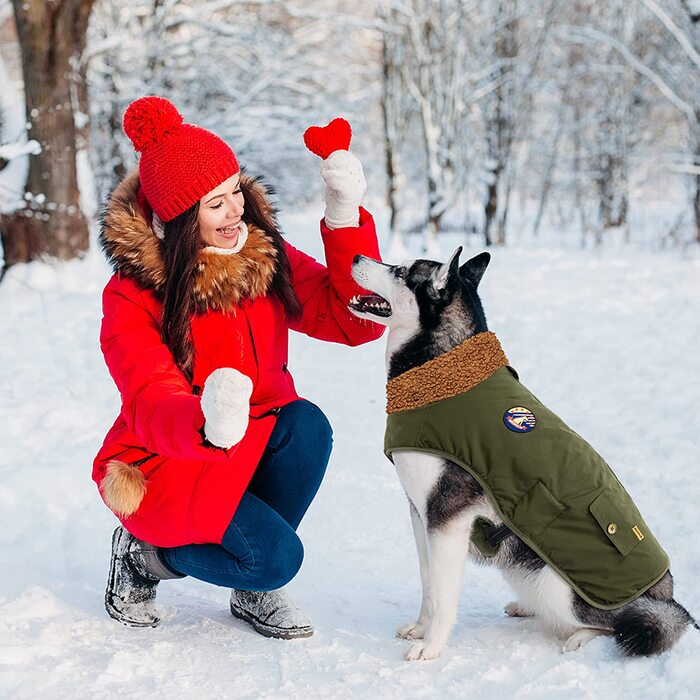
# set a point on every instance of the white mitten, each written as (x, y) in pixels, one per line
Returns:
(345, 186)
(225, 403)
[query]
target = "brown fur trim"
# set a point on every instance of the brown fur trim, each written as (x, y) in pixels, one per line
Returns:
(222, 281)
(128, 239)
(123, 488)
(453, 373)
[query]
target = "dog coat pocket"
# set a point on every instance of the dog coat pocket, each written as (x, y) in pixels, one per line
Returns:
(613, 519)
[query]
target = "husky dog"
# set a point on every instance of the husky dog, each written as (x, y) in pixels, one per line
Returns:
(430, 309)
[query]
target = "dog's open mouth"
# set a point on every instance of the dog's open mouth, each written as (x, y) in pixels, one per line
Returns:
(371, 304)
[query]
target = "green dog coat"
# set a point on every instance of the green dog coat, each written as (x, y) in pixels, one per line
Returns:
(550, 487)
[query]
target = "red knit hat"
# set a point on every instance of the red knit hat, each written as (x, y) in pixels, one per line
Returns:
(179, 162)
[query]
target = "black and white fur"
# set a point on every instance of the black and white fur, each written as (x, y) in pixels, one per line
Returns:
(431, 308)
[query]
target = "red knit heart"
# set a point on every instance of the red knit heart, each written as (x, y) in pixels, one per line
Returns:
(323, 140)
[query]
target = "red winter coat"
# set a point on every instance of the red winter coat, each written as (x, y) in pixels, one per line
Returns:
(193, 490)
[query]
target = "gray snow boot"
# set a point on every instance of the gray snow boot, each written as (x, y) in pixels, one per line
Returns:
(134, 573)
(271, 613)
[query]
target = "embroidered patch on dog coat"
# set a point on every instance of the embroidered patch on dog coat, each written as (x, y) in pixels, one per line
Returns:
(519, 419)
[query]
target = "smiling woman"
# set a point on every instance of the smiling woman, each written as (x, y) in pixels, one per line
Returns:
(220, 216)
(214, 458)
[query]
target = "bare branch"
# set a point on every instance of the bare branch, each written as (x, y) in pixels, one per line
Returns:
(583, 35)
(678, 34)
(685, 168)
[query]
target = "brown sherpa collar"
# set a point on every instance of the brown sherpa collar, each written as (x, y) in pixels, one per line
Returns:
(448, 375)
(222, 281)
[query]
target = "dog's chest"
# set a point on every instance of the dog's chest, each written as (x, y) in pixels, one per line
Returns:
(418, 473)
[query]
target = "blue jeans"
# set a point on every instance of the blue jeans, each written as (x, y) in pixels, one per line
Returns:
(260, 550)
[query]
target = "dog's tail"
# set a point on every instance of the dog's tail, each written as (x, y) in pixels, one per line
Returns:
(650, 626)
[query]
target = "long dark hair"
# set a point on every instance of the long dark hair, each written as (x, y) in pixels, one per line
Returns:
(181, 244)
(180, 247)
(260, 213)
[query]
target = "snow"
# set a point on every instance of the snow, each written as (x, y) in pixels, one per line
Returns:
(609, 340)
(15, 150)
(13, 144)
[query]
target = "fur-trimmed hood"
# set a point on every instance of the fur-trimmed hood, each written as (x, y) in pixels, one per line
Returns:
(222, 281)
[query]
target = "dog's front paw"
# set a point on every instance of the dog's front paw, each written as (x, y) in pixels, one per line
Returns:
(420, 651)
(413, 630)
(514, 609)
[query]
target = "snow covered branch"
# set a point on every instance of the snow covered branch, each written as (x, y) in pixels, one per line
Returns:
(11, 151)
(585, 35)
(677, 33)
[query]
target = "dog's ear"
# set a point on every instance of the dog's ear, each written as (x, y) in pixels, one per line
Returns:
(473, 270)
(443, 275)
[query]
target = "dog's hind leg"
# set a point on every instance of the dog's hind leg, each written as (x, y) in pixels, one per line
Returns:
(416, 630)
(447, 549)
(581, 637)
(517, 609)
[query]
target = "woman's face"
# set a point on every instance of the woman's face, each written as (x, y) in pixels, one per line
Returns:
(220, 213)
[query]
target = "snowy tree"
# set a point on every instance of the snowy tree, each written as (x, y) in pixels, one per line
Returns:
(435, 80)
(3, 158)
(50, 222)
(430, 79)
(257, 73)
(395, 120)
(600, 116)
(500, 114)
(687, 36)
(662, 54)
(469, 69)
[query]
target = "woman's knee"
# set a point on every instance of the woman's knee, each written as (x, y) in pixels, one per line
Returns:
(303, 421)
(268, 553)
(282, 562)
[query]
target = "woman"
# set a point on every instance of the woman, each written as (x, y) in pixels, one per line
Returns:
(214, 458)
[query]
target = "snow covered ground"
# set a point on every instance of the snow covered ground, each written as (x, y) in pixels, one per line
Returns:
(610, 341)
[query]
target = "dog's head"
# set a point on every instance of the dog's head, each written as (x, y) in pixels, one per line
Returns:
(415, 291)
(426, 304)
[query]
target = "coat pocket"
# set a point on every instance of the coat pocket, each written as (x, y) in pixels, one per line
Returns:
(537, 510)
(613, 515)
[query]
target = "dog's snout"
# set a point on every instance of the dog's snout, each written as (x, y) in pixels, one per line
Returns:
(356, 259)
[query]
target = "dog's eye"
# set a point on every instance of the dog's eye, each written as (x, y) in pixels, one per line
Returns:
(401, 272)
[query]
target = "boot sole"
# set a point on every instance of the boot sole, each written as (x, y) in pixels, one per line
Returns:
(113, 612)
(269, 630)
(129, 622)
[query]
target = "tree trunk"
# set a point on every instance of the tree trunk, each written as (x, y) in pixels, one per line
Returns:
(696, 208)
(612, 192)
(490, 208)
(696, 182)
(505, 206)
(52, 39)
(500, 127)
(389, 115)
(549, 176)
